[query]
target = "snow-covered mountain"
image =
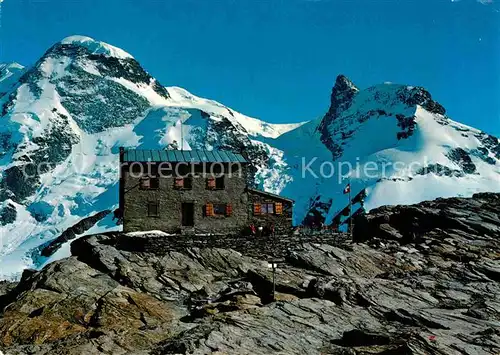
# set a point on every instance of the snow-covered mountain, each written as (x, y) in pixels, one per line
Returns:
(394, 143)
(9, 75)
(68, 114)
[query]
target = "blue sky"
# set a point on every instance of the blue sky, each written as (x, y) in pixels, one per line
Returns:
(277, 60)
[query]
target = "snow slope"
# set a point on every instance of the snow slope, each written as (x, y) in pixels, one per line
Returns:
(69, 113)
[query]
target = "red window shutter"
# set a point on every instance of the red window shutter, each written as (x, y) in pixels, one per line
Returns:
(211, 183)
(209, 210)
(257, 208)
(179, 183)
(229, 210)
(278, 208)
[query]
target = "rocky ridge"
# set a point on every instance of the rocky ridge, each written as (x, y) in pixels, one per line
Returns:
(423, 282)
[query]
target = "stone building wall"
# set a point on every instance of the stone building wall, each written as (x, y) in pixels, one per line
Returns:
(282, 223)
(258, 247)
(135, 204)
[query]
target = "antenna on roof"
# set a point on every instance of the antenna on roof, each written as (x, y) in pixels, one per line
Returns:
(182, 137)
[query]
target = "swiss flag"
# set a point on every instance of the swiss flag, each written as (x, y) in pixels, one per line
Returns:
(347, 189)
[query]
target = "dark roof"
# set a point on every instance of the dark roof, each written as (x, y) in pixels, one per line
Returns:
(265, 193)
(192, 156)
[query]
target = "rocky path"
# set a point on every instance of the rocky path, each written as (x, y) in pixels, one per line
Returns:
(432, 288)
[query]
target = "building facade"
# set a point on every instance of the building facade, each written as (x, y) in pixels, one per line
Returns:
(194, 192)
(272, 212)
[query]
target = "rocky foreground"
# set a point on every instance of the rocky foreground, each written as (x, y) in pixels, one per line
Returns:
(422, 279)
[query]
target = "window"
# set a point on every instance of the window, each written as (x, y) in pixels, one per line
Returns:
(218, 209)
(219, 183)
(264, 208)
(216, 183)
(267, 208)
(153, 209)
(149, 183)
(183, 183)
(188, 183)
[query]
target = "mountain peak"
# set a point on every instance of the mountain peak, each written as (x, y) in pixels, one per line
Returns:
(343, 83)
(96, 47)
(342, 93)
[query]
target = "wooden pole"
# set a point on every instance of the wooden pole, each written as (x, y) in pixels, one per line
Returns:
(274, 282)
(121, 185)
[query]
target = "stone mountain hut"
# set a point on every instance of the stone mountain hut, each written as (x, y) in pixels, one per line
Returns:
(195, 192)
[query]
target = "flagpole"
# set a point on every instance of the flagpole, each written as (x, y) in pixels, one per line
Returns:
(350, 208)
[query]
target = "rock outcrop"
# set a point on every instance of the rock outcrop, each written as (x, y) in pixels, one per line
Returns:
(470, 221)
(6, 287)
(72, 232)
(434, 291)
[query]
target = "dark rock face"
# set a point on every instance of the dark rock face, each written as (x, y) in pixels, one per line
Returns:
(462, 158)
(126, 107)
(342, 95)
(9, 103)
(435, 292)
(440, 170)
(470, 218)
(71, 233)
(420, 96)
(483, 154)
(343, 92)
(127, 68)
(95, 102)
(490, 142)
(54, 147)
(407, 125)
(8, 215)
